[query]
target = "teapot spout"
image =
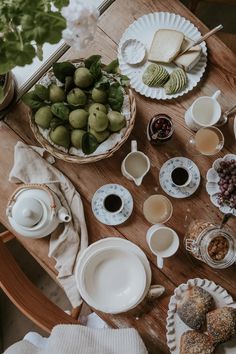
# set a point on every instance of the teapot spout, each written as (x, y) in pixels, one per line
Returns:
(63, 215)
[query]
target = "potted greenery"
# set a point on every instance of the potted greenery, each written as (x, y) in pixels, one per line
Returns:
(25, 27)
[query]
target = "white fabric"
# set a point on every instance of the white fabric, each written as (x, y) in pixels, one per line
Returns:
(69, 239)
(76, 339)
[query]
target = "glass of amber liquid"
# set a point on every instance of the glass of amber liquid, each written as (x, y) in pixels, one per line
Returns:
(207, 141)
(157, 209)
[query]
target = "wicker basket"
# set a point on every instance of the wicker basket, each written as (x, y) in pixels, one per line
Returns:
(86, 159)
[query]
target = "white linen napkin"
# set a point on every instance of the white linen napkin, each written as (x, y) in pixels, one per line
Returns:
(67, 241)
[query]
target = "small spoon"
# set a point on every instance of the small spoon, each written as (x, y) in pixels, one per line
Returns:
(225, 219)
(224, 118)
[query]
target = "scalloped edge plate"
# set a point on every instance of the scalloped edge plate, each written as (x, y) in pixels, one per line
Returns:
(175, 326)
(143, 29)
(212, 187)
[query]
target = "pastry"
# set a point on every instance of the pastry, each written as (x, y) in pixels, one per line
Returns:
(221, 324)
(194, 305)
(193, 342)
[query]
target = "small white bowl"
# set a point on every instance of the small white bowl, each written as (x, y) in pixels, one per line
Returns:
(112, 280)
(133, 51)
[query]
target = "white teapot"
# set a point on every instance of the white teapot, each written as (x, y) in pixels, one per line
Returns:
(35, 211)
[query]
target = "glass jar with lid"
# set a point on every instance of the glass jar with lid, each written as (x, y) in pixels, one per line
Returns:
(209, 243)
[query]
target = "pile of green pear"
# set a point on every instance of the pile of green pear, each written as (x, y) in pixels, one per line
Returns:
(78, 113)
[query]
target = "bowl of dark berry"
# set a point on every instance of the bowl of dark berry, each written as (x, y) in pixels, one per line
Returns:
(160, 129)
(221, 184)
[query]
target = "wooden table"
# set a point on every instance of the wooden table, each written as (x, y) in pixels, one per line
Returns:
(220, 74)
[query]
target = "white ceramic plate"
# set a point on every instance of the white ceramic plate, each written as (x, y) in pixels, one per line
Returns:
(109, 280)
(98, 204)
(143, 29)
(169, 187)
(212, 186)
(176, 327)
(115, 242)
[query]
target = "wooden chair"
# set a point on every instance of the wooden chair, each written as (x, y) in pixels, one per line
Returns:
(24, 294)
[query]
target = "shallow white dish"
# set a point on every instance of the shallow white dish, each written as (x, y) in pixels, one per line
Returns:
(115, 242)
(133, 51)
(176, 327)
(212, 186)
(169, 187)
(98, 204)
(112, 280)
(143, 29)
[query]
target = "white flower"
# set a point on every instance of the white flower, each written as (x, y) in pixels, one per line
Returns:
(81, 20)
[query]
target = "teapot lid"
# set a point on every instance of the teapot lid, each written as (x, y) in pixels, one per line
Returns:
(27, 212)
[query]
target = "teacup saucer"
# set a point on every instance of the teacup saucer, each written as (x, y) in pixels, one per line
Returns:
(165, 177)
(98, 204)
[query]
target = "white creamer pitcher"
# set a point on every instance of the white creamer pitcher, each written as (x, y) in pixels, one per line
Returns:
(136, 165)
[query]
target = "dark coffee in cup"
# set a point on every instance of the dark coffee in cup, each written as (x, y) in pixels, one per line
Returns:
(180, 176)
(113, 203)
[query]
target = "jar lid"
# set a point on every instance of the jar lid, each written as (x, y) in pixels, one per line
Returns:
(27, 212)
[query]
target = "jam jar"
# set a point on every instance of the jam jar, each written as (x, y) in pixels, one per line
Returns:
(160, 129)
(209, 243)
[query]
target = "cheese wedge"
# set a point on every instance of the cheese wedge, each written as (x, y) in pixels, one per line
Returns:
(165, 46)
(189, 59)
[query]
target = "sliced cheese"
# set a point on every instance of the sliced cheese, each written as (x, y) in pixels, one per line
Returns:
(189, 59)
(165, 46)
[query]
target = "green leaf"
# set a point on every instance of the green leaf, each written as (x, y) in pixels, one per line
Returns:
(69, 83)
(91, 60)
(60, 3)
(116, 97)
(60, 110)
(42, 92)
(62, 70)
(113, 67)
(103, 83)
(32, 100)
(96, 71)
(89, 143)
(124, 80)
(39, 51)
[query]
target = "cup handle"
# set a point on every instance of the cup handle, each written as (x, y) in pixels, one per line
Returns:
(155, 291)
(216, 94)
(160, 262)
(134, 146)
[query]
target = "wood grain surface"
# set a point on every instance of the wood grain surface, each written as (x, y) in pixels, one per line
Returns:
(148, 318)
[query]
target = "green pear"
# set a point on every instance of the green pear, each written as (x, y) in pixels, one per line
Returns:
(100, 136)
(116, 121)
(56, 94)
(78, 118)
(43, 117)
(76, 137)
(83, 78)
(98, 121)
(97, 107)
(60, 136)
(99, 96)
(76, 97)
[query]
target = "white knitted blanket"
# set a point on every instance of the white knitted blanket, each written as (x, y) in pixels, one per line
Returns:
(76, 339)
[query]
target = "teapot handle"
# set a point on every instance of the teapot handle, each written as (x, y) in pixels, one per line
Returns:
(36, 186)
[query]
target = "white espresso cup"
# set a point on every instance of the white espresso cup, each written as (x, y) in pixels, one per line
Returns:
(163, 242)
(113, 203)
(204, 112)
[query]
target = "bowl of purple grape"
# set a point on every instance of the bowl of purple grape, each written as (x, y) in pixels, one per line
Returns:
(160, 128)
(221, 184)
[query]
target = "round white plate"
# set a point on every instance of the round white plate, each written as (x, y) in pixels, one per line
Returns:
(165, 177)
(109, 281)
(212, 186)
(143, 29)
(114, 242)
(100, 212)
(176, 327)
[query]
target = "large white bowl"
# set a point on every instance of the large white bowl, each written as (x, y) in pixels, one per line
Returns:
(112, 280)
